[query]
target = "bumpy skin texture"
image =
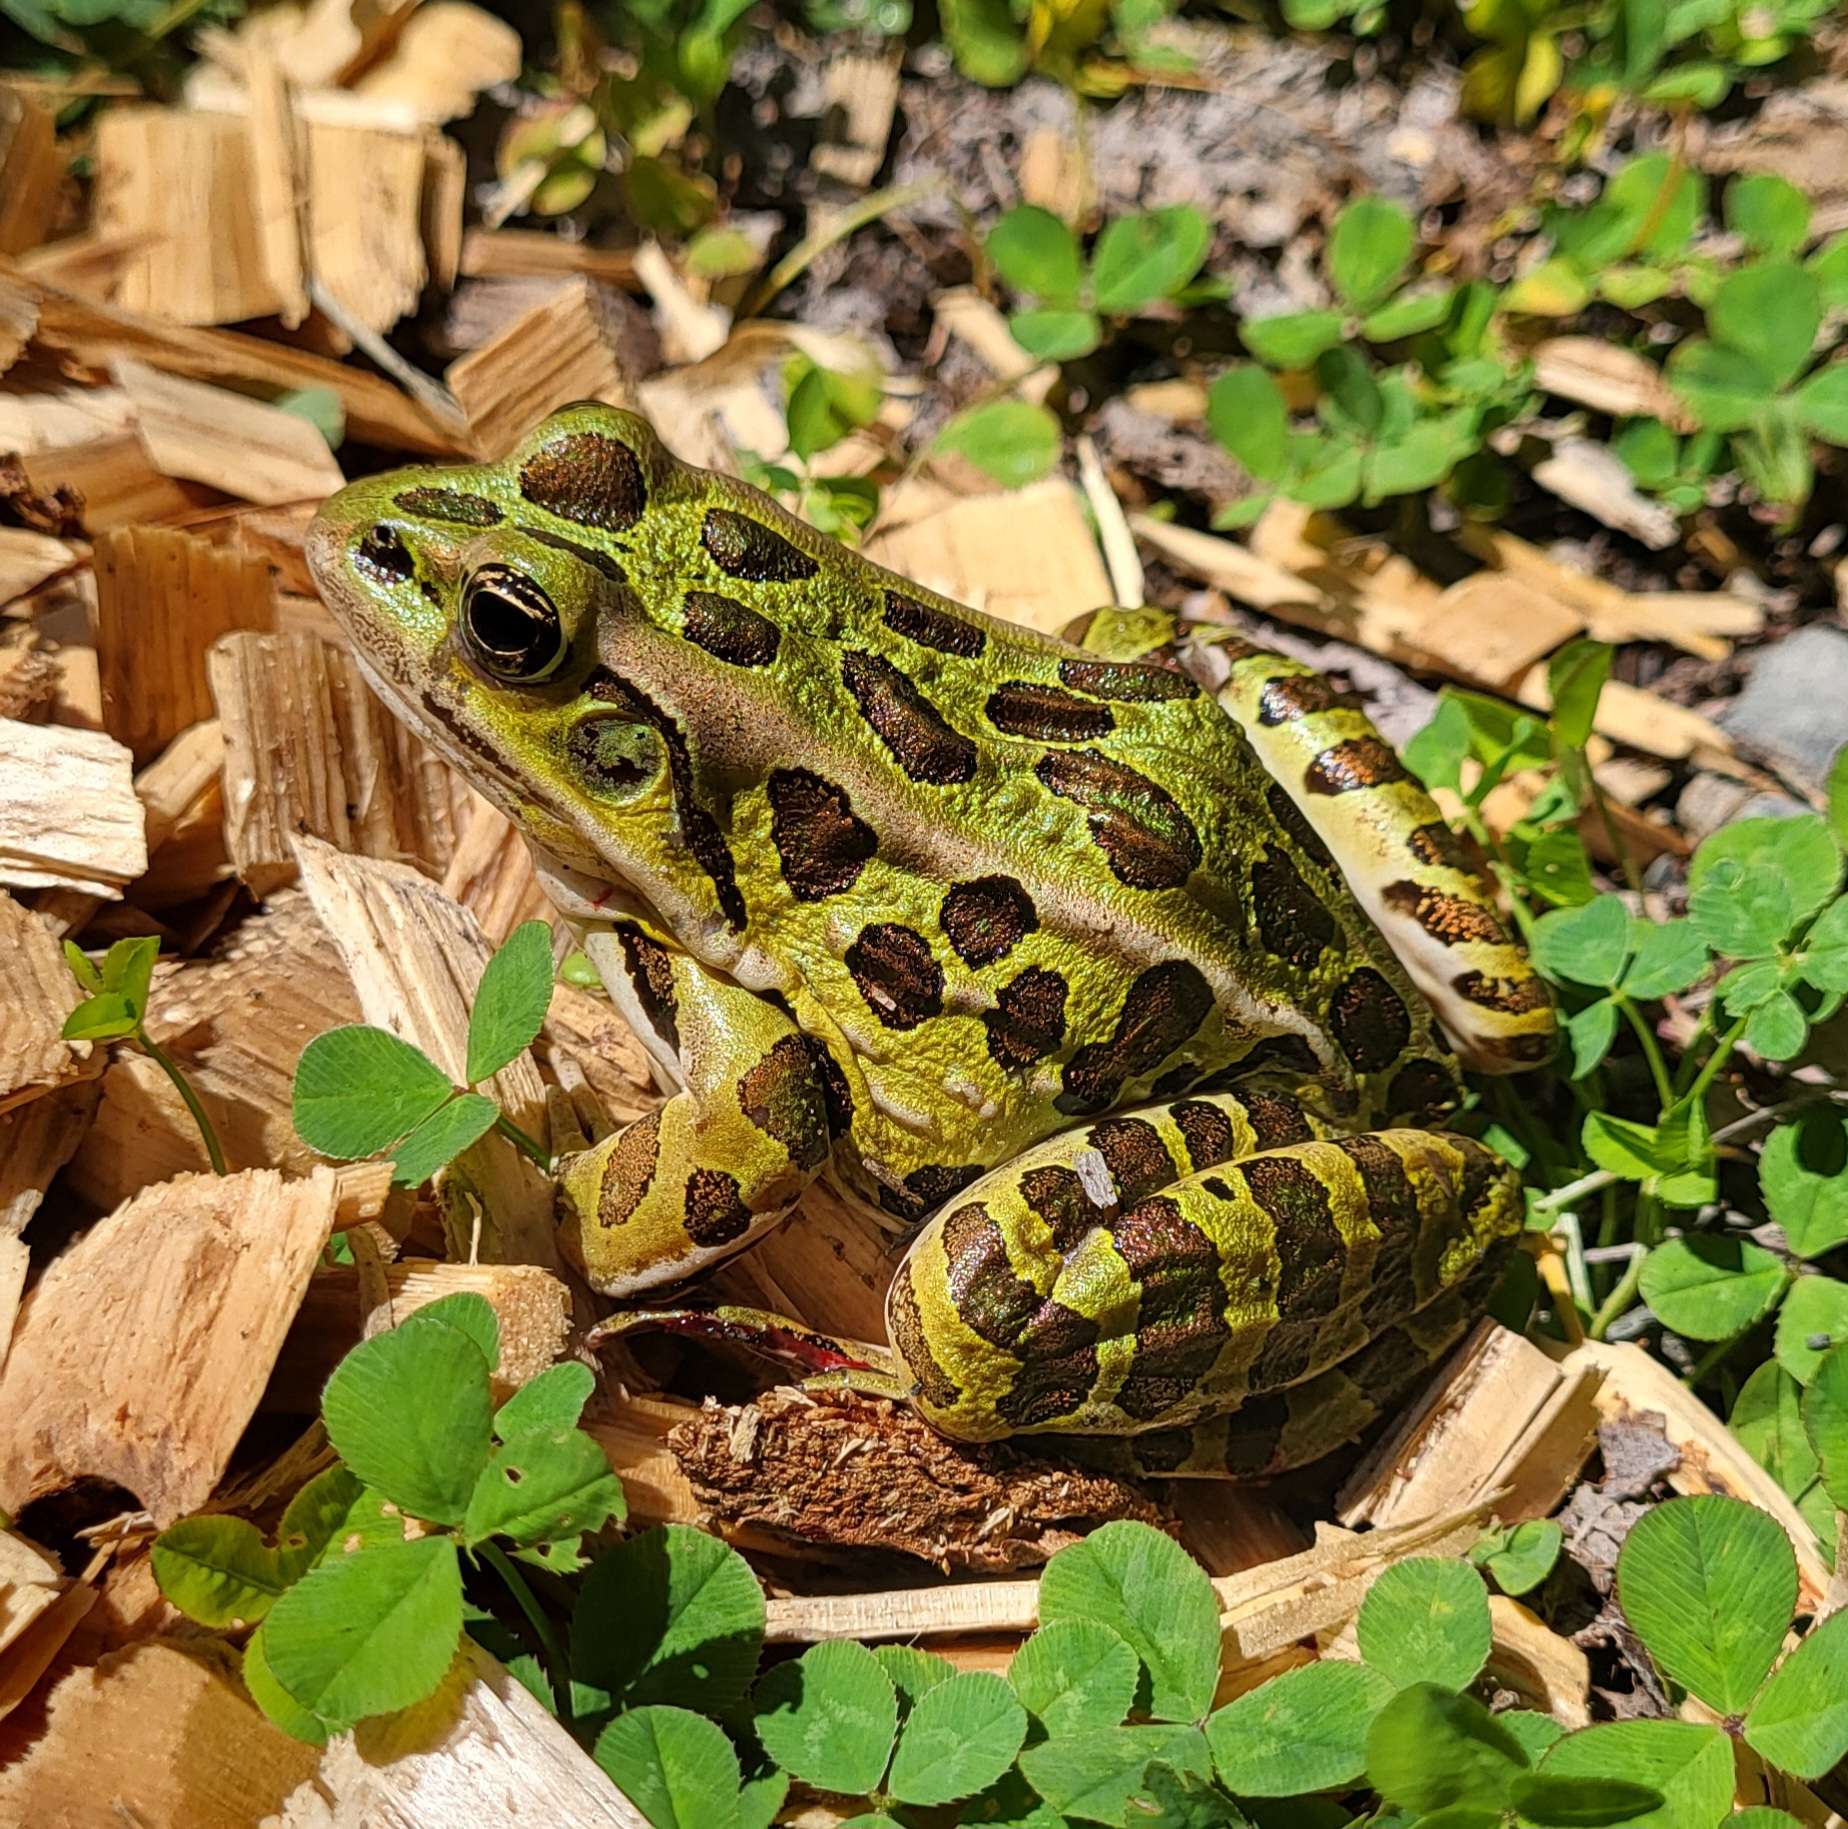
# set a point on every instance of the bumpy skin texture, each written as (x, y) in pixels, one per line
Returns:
(894, 888)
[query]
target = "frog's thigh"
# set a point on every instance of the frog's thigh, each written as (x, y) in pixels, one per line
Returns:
(1391, 843)
(1289, 1428)
(726, 1157)
(1115, 1281)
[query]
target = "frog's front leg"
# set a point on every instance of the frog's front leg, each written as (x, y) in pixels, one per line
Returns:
(1136, 1277)
(730, 1152)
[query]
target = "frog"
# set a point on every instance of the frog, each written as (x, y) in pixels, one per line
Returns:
(1125, 974)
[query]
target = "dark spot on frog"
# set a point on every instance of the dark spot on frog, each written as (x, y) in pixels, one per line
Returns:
(932, 628)
(1057, 1195)
(1448, 919)
(715, 1209)
(782, 1095)
(1422, 1092)
(382, 555)
(1295, 695)
(921, 742)
(987, 1293)
(1292, 922)
(1369, 1020)
(1135, 1155)
(1207, 1132)
(612, 755)
(986, 918)
(585, 555)
(650, 968)
(1160, 1010)
(748, 549)
(895, 971)
(589, 478)
(1275, 1121)
(1028, 1020)
(822, 843)
(1025, 708)
(729, 630)
(455, 506)
(935, 1385)
(1294, 823)
(1510, 996)
(1128, 682)
(1149, 842)
(1358, 762)
(629, 1170)
(927, 1188)
(1058, 1353)
(1180, 1320)
(1310, 1251)
(836, 1094)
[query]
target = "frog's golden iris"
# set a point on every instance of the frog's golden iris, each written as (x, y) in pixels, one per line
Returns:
(1116, 961)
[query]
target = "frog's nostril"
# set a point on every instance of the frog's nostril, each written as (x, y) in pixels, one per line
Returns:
(382, 555)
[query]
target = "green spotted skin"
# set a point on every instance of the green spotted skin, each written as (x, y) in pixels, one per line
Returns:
(902, 894)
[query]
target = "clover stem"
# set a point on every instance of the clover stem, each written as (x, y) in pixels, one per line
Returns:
(1620, 1298)
(159, 1056)
(1652, 1052)
(521, 1141)
(551, 1652)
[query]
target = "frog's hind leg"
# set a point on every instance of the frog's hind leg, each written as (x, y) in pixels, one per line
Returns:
(1292, 1427)
(1344, 781)
(727, 1156)
(1182, 1261)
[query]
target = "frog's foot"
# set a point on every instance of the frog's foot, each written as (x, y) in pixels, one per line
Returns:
(1135, 1277)
(726, 1157)
(822, 1361)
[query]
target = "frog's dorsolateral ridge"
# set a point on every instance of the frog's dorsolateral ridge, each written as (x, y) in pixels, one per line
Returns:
(1108, 957)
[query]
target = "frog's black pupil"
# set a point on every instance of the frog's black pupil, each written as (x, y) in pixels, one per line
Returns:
(511, 623)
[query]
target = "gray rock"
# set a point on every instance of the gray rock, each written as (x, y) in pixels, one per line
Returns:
(1794, 709)
(1711, 801)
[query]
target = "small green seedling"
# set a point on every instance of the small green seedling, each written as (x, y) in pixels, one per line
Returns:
(360, 1091)
(116, 1010)
(823, 406)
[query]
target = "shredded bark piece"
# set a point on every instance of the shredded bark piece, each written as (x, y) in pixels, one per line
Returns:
(848, 1471)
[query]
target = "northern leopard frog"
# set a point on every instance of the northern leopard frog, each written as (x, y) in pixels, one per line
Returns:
(1098, 955)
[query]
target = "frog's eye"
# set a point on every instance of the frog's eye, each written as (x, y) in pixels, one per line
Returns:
(511, 625)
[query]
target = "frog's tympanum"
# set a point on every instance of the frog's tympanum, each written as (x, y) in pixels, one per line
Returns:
(1125, 972)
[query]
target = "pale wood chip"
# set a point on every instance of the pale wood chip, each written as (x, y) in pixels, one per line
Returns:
(27, 559)
(278, 157)
(976, 322)
(29, 678)
(416, 958)
(1054, 174)
(167, 1316)
(1527, 1657)
(577, 344)
(69, 818)
(1489, 629)
(54, 418)
(162, 1735)
(37, 992)
(491, 873)
(859, 94)
(365, 220)
(1027, 555)
(36, 1140)
(1501, 1420)
(1642, 719)
(1592, 478)
(308, 749)
(118, 482)
(93, 335)
(37, 1616)
(482, 1751)
(442, 59)
(31, 170)
(528, 253)
(1609, 379)
(163, 597)
(211, 435)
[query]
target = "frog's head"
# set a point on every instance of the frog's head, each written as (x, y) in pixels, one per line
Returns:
(491, 608)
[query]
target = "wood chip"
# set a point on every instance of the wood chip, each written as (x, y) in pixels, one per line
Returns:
(1027, 554)
(483, 1751)
(93, 335)
(859, 91)
(36, 1140)
(532, 1306)
(1608, 378)
(366, 221)
(526, 253)
(445, 55)
(167, 1316)
(31, 170)
(161, 1735)
(1501, 1421)
(416, 958)
(278, 155)
(308, 749)
(1489, 629)
(163, 597)
(205, 434)
(27, 559)
(117, 483)
(1530, 1659)
(1592, 478)
(39, 1607)
(69, 818)
(37, 992)
(976, 322)
(1643, 719)
(578, 344)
